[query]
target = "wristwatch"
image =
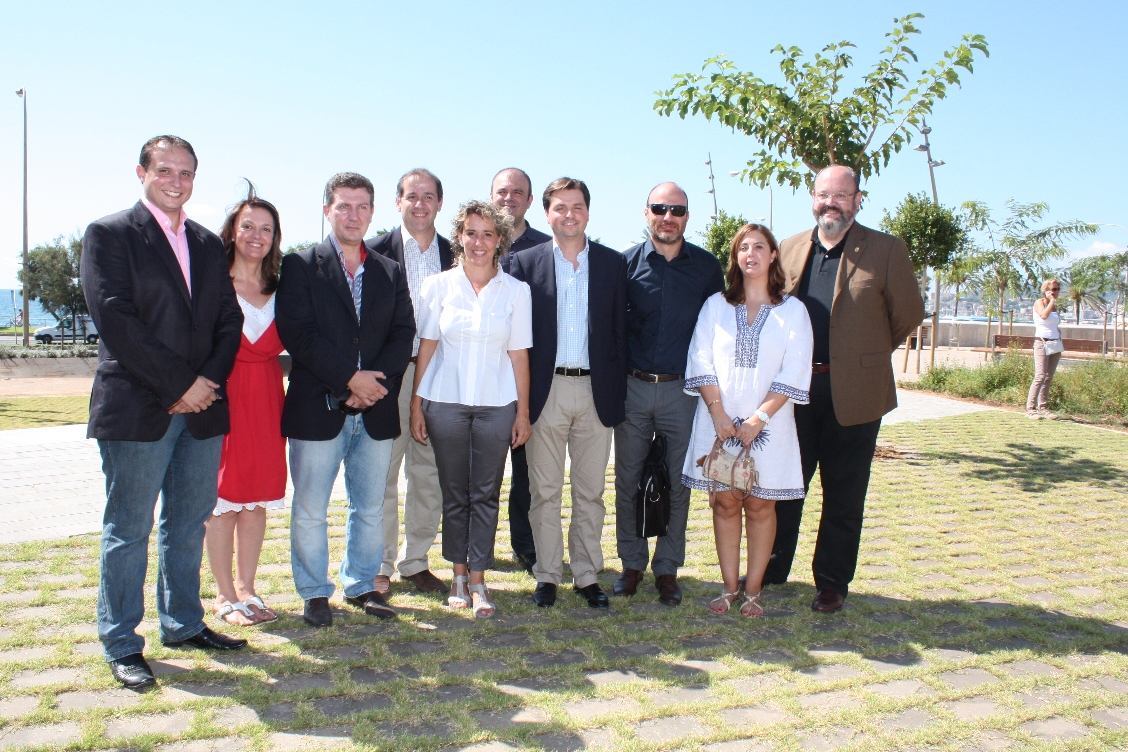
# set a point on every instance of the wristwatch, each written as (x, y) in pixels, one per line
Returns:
(763, 416)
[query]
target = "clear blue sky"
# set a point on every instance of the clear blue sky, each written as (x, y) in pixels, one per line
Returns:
(287, 94)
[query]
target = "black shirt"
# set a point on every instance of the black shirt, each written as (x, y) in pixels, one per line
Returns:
(816, 290)
(528, 239)
(663, 301)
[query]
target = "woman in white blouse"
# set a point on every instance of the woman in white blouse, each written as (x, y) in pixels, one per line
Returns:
(750, 360)
(1046, 334)
(471, 394)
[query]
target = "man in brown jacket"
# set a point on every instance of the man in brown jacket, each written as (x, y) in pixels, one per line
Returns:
(863, 300)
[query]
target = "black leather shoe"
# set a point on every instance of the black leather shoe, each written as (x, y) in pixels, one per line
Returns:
(525, 561)
(545, 594)
(208, 640)
(317, 613)
(595, 596)
(827, 601)
(373, 604)
(133, 672)
(627, 584)
(669, 592)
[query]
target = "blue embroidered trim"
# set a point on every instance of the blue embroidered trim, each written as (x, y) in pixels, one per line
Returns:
(779, 494)
(748, 335)
(798, 396)
(759, 442)
(692, 385)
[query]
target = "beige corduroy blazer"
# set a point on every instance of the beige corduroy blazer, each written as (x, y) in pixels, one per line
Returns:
(877, 303)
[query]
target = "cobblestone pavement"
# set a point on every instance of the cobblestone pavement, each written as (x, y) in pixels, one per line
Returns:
(986, 615)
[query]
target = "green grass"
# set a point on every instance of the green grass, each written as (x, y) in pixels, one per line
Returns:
(36, 412)
(989, 540)
(1093, 390)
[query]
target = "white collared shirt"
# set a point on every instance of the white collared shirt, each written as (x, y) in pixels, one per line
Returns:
(419, 265)
(471, 365)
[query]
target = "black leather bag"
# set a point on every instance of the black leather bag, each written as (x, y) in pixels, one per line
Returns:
(652, 497)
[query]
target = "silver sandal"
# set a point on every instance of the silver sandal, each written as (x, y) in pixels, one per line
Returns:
(458, 597)
(231, 608)
(484, 602)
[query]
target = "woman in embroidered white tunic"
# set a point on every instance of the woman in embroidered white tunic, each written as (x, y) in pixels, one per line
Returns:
(749, 360)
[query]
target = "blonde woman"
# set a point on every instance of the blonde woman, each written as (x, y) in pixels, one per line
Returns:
(1046, 336)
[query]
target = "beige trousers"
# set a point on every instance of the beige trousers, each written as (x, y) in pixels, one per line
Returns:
(423, 502)
(568, 424)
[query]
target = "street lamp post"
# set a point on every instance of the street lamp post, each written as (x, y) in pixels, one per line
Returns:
(932, 165)
(771, 201)
(22, 94)
(712, 186)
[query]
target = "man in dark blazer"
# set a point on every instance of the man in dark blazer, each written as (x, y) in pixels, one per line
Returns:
(420, 252)
(345, 317)
(862, 296)
(577, 386)
(169, 326)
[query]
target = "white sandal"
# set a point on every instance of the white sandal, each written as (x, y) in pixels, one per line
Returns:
(484, 602)
(458, 597)
(255, 601)
(725, 600)
(231, 608)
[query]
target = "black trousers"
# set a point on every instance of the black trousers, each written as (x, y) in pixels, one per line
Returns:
(843, 455)
(520, 531)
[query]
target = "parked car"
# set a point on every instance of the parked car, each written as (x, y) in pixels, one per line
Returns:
(65, 332)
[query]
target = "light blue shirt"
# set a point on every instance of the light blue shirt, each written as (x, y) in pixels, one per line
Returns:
(571, 309)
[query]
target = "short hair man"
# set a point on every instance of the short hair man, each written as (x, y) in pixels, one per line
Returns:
(345, 317)
(863, 300)
(169, 324)
(512, 189)
(668, 280)
(577, 375)
(420, 252)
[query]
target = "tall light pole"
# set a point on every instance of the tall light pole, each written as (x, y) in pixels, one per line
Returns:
(771, 201)
(22, 94)
(712, 186)
(932, 165)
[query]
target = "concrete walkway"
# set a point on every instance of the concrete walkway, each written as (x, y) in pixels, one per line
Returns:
(51, 482)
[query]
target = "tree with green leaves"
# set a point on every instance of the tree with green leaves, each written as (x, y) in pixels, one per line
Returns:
(959, 273)
(296, 247)
(1016, 255)
(934, 234)
(719, 233)
(1086, 281)
(814, 119)
(53, 279)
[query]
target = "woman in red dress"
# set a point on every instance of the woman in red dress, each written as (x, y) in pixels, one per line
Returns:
(252, 471)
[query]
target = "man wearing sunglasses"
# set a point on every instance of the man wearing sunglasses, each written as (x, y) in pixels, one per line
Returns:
(863, 300)
(668, 280)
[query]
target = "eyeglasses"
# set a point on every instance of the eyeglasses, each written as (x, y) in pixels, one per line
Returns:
(1055, 289)
(660, 210)
(823, 197)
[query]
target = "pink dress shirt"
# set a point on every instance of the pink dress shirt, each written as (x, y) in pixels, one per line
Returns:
(178, 240)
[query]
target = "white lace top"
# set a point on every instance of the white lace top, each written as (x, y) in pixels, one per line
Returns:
(256, 320)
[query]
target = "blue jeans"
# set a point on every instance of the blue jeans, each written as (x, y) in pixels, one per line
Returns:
(314, 466)
(186, 471)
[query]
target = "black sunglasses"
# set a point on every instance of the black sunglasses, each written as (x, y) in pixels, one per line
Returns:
(676, 209)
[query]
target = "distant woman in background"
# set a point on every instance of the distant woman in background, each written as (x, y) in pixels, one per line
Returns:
(252, 471)
(1047, 350)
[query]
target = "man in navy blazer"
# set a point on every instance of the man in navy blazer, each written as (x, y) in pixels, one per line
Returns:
(345, 317)
(169, 325)
(421, 252)
(578, 385)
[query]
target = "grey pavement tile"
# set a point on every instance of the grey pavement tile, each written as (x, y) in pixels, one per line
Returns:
(36, 736)
(955, 655)
(501, 640)
(770, 656)
(823, 741)
(500, 720)
(102, 698)
(577, 741)
(989, 741)
(908, 720)
(35, 678)
(1055, 729)
(829, 701)
(1112, 718)
(570, 635)
(632, 650)
(671, 728)
(890, 663)
(447, 693)
(301, 682)
(757, 683)
(170, 724)
(967, 678)
(563, 658)
(280, 712)
(972, 709)
(1105, 684)
(493, 746)
(829, 673)
(172, 666)
(20, 655)
(470, 668)
(531, 686)
(352, 704)
(1041, 698)
(1030, 668)
(761, 715)
(693, 667)
(222, 744)
(738, 745)
(616, 676)
(18, 707)
(416, 647)
(704, 642)
(675, 696)
(311, 739)
(372, 676)
(234, 716)
(902, 688)
(582, 710)
(189, 691)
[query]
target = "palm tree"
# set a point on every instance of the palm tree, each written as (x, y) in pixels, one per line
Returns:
(959, 272)
(1087, 280)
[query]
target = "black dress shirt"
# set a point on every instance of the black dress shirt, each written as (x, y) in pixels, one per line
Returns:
(663, 301)
(528, 239)
(816, 290)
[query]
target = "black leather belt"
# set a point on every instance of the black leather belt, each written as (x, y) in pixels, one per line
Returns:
(654, 378)
(820, 368)
(573, 372)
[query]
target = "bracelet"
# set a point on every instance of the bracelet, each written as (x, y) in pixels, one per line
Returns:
(709, 405)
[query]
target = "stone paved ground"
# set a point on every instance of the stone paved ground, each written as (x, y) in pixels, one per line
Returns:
(987, 614)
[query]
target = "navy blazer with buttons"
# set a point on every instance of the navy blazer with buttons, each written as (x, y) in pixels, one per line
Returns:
(154, 338)
(607, 326)
(317, 323)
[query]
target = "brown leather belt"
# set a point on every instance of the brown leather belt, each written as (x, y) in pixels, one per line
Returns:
(413, 359)
(820, 368)
(573, 372)
(654, 378)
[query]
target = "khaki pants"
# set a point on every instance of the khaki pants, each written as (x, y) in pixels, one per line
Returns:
(569, 424)
(423, 502)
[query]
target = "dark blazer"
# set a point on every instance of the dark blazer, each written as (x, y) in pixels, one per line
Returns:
(317, 323)
(607, 326)
(154, 338)
(390, 244)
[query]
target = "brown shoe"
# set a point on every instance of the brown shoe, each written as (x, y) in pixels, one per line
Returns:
(627, 584)
(382, 585)
(827, 601)
(427, 582)
(669, 594)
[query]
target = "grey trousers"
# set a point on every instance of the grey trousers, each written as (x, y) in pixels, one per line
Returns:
(667, 410)
(471, 444)
(1044, 367)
